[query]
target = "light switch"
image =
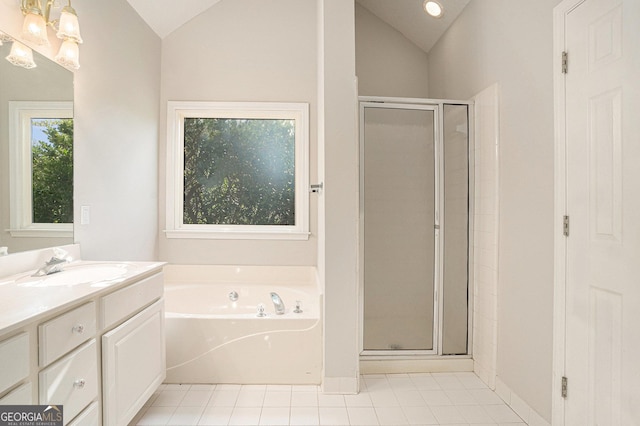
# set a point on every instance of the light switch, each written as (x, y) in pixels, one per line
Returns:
(85, 215)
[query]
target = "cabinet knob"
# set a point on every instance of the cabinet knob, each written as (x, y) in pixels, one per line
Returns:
(79, 383)
(78, 329)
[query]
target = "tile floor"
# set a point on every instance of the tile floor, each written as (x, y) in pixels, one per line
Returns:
(391, 399)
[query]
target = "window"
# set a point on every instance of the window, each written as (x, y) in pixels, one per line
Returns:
(237, 170)
(41, 152)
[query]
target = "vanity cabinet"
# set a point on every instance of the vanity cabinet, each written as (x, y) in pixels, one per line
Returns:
(100, 356)
(133, 364)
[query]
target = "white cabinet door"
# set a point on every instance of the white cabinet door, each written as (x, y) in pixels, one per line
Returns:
(133, 364)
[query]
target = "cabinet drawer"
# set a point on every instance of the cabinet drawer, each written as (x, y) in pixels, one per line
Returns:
(14, 360)
(122, 303)
(71, 381)
(19, 396)
(89, 417)
(61, 334)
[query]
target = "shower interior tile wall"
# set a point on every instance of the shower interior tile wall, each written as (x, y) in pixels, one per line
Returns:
(392, 399)
(485, 242)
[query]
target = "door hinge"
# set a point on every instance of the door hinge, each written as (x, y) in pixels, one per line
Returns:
(565, 226)
(564, 387)
(565, 62)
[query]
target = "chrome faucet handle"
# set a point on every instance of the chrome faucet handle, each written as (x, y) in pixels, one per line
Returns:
(297, 310)
(261, 313)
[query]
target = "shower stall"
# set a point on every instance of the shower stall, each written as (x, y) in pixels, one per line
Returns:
(415, 236)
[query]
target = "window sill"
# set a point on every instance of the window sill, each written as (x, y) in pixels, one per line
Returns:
(238, 235)
(42, 233)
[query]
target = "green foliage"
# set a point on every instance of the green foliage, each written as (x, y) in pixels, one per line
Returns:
(52, 173)
(239, 172)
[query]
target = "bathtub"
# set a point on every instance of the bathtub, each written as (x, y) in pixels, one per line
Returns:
(212, 339)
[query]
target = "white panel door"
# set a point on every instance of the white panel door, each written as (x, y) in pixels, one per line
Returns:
(602, 310)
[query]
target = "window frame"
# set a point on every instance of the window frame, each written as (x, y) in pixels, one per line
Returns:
(20, 164)
(177, 111)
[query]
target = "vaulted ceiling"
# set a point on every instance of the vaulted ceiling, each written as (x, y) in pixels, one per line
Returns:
(406, 16)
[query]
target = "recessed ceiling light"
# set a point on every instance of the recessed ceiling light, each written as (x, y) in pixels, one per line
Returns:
(433, 8)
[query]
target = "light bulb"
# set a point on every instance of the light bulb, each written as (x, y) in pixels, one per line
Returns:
(34, 29)
(69, 55)
(433, 8)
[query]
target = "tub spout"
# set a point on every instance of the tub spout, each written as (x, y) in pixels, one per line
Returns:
(278, 304)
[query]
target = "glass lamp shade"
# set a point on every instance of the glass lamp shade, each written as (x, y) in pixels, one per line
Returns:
(21, 56)
(69, 54)
(69, 27)
(34, 29)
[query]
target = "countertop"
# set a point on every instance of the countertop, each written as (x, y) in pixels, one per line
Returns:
(24, 300)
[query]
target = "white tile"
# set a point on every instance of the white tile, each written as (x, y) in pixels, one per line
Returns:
(437, 397)
(223, 398)
(305, 388)
(186, 416)
(304, 399)
(460, 397)
(279, 388)
(277, 399)
(384, 398)
(391, 416)
(254, 388)
(156, 416)
(328, 400)
(502, 414)
(250, 398)
(401, 382)
(425, 382)
(304, 416)
(228, 387)
(470, 380)
(474, 414)
(447, 414)
(169, 398)
(485, 397)
(178, 387)
(360, 400)
(245, 416)
(215, 416)
(419, 416)
(362, 416)
(333, 416)
(448, 381)
(410, 398)
(203, 387)
(274, 416)
(377, 383)
(196, 398)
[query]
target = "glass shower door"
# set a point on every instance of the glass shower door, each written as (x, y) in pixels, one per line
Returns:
(399, 193)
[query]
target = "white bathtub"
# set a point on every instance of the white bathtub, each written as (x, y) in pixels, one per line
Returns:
(211, 339)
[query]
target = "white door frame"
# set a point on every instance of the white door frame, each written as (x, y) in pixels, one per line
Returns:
(560, 210)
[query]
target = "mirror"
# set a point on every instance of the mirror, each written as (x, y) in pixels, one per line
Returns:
(46, 93)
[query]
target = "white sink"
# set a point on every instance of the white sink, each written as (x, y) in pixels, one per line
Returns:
(77, 274)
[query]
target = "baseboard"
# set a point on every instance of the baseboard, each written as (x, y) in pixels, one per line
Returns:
(517, 404)
(395, 366)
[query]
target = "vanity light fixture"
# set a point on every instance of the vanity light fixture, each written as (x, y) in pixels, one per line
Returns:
(34, 29)
(21, 55)
(433, 8)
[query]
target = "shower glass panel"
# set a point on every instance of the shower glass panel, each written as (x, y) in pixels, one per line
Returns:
(455, 223)
(398, 205)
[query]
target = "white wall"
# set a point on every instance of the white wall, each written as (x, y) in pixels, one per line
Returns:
(116, 122)
(116, 132)
(387, 63)
(510, 42)
(243, 50)
(338, 153)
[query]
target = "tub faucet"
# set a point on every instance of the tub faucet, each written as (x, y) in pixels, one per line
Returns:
(278, 304)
